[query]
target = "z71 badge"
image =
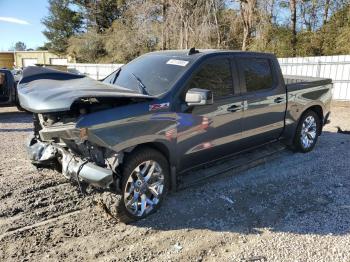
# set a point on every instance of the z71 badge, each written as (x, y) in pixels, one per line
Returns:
(159, 106)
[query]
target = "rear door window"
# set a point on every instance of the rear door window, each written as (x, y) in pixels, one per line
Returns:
(215, 75)
(257, 73)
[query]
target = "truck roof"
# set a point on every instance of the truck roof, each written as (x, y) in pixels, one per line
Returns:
(184, 53)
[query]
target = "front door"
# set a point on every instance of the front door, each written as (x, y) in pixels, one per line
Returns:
(264, 99)
(209, 132)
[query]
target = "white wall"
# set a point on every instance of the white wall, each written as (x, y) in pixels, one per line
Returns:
(95, 71)
(58, 61)
(335, 67)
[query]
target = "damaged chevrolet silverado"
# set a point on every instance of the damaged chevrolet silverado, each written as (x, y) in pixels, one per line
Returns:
(139, 130)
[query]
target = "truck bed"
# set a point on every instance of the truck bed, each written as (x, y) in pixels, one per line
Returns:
(299, 82)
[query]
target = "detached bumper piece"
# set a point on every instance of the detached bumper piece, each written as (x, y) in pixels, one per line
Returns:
(73, 167)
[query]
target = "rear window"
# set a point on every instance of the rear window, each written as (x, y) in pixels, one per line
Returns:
(257, 73)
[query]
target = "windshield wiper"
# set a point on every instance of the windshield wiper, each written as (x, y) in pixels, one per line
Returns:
(143, 87)
(117, 74)
(114, 78)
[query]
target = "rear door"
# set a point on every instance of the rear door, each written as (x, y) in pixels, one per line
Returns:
(264, 98)
(209, 132)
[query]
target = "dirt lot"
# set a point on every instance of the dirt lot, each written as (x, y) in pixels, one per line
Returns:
(294, 208)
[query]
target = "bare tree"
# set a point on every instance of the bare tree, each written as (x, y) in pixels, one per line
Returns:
(215, 12)
(248, 12)
(148, 25)
(293, 24)
(185, 10)
(309, 10)
(326, 11)
(164, 23)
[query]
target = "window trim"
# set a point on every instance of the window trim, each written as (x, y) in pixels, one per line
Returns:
(243, 89)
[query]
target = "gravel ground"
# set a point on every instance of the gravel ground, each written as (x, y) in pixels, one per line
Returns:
(293, 208)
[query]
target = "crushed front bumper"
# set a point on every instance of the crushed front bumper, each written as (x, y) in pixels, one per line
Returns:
(73, 167)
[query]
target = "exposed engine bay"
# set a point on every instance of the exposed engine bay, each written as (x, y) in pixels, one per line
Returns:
(84, 106)
(56, 141)
(59, 100)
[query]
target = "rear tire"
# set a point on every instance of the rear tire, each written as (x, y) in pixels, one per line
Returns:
(307, 132)
(145, 182)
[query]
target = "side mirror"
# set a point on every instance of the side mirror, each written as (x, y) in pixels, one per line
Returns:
(197, 96)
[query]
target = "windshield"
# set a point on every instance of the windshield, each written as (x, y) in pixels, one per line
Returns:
(149, 74)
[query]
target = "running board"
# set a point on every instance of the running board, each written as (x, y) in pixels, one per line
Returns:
(237, 163)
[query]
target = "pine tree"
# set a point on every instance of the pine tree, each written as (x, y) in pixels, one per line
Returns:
(100, 14)
(20, 46)
(61, 24)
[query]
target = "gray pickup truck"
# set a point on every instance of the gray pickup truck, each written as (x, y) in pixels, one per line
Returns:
(166, 113)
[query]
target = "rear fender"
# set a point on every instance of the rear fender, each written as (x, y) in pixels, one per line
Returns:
(302, 99)
(294, 114)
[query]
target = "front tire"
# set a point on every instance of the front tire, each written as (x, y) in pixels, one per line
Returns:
(145, 182)
(307, 132)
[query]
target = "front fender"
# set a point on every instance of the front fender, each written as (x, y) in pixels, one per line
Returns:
(120, 133)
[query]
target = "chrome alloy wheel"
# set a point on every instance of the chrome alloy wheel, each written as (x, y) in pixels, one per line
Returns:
(144, 188)
(308, 132)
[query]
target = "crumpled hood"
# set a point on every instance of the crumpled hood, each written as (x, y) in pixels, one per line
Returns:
(43, 90)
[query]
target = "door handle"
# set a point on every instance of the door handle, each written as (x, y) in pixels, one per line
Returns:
(235, 108)
(278, 100)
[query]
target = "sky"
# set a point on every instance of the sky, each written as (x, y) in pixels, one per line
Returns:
(20, 21)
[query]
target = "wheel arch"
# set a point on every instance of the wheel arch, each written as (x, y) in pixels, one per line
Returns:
(288, 134)
(164, 150)
(157, 146)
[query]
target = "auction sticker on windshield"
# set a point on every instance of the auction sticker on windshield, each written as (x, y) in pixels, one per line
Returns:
(177, 62)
